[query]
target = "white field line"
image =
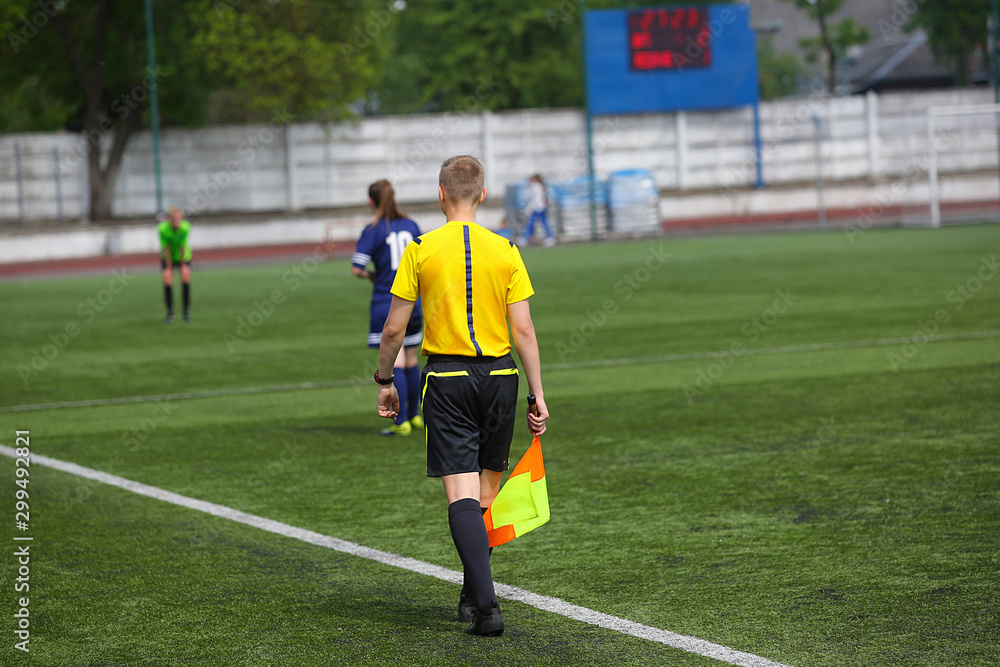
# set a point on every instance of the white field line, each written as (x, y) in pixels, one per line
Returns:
(785, 349)
(594, 363)
(545, 603)
(210, 393)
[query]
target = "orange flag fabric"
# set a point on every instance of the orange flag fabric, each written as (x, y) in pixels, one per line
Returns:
(523, 502)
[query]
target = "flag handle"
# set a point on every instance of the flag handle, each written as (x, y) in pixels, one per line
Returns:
(532, 405)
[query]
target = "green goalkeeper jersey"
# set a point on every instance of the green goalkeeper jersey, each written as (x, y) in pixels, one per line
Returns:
(175, 239)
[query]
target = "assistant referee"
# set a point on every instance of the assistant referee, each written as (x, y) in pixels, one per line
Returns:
(470, 281)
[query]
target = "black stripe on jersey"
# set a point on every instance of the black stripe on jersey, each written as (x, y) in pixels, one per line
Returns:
(468, 288)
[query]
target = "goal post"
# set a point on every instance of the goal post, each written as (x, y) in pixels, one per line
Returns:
(966, 134)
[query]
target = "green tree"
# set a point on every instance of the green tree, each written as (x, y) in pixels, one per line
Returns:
(81, 64)
(58, 51)
(482, 54)
(955, 29)
(835, 38)
(779, 72)
(30, 105)
(292, 54)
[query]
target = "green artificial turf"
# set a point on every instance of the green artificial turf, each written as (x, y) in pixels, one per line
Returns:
(825, 490)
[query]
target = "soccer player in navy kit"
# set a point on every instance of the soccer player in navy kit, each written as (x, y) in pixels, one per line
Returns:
(382, 242)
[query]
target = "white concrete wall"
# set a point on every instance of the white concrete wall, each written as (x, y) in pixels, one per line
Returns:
(868, 200)
(39, 164)
(294, 167)
(136, 239)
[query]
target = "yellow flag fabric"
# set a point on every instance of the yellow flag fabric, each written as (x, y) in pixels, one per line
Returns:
(523, 502)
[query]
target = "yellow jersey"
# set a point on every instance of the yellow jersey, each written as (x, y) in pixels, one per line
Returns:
(466, 276)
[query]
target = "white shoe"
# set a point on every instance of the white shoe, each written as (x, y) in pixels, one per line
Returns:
(549, 241)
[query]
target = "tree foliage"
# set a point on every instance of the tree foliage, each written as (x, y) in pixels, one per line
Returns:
(835, 38)
(779, 72)
(82, 65)
(287, 55)
(482, 54)
(955, 29)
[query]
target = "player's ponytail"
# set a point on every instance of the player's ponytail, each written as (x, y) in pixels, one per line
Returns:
(383, 196)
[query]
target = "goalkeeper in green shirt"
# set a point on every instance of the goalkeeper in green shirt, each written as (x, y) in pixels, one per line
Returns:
(175, 252)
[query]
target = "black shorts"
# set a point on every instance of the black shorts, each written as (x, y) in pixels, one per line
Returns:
(163, 263)
(468, 406)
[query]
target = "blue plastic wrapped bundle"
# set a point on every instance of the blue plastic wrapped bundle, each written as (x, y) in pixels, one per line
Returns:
(634, 201)
(569, 206)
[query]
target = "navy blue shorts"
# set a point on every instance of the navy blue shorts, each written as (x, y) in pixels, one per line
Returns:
(468, 406)
(414, 328)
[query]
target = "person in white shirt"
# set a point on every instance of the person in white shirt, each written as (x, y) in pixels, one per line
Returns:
(537, 210)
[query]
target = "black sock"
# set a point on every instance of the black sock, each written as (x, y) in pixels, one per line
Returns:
(466, 586)
(168, 295)
(186, 295)
(469, 533)
(413, 387)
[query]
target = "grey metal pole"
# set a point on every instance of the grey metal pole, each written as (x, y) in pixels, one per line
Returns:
(20, 183)
(995, 49)
(154, 103)
(55, 164)
(820, 189)
(932, 171)
(994, 38)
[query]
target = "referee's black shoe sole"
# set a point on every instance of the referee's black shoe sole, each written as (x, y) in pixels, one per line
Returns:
(489, 624)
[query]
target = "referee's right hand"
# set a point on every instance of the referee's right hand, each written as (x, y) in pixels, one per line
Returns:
(536, 422)
(388, 401)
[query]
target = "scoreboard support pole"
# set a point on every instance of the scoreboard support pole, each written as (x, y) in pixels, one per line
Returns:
(995, 59)
(759, 144)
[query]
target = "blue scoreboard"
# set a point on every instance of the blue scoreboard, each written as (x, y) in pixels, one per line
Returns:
(670, 59)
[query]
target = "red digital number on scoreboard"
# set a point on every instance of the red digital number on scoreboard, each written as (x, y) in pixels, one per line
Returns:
(669, 39)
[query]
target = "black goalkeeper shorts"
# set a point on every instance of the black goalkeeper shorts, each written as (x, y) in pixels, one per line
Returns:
(468, 407)
(163, 263)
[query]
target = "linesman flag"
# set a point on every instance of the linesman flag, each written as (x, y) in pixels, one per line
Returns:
(523, 502)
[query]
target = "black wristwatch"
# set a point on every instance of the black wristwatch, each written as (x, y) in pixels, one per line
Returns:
(383, 381)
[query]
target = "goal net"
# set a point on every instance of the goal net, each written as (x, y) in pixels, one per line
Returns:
(962, 158)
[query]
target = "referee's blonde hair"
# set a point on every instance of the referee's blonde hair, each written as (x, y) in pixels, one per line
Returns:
(462, 178)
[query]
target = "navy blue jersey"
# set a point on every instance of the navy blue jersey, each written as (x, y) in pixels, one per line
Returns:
(384, 247)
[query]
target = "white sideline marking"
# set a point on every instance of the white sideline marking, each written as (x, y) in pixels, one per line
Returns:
(210, 393)
(595, 363)
(785, 349)
(543, 602)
